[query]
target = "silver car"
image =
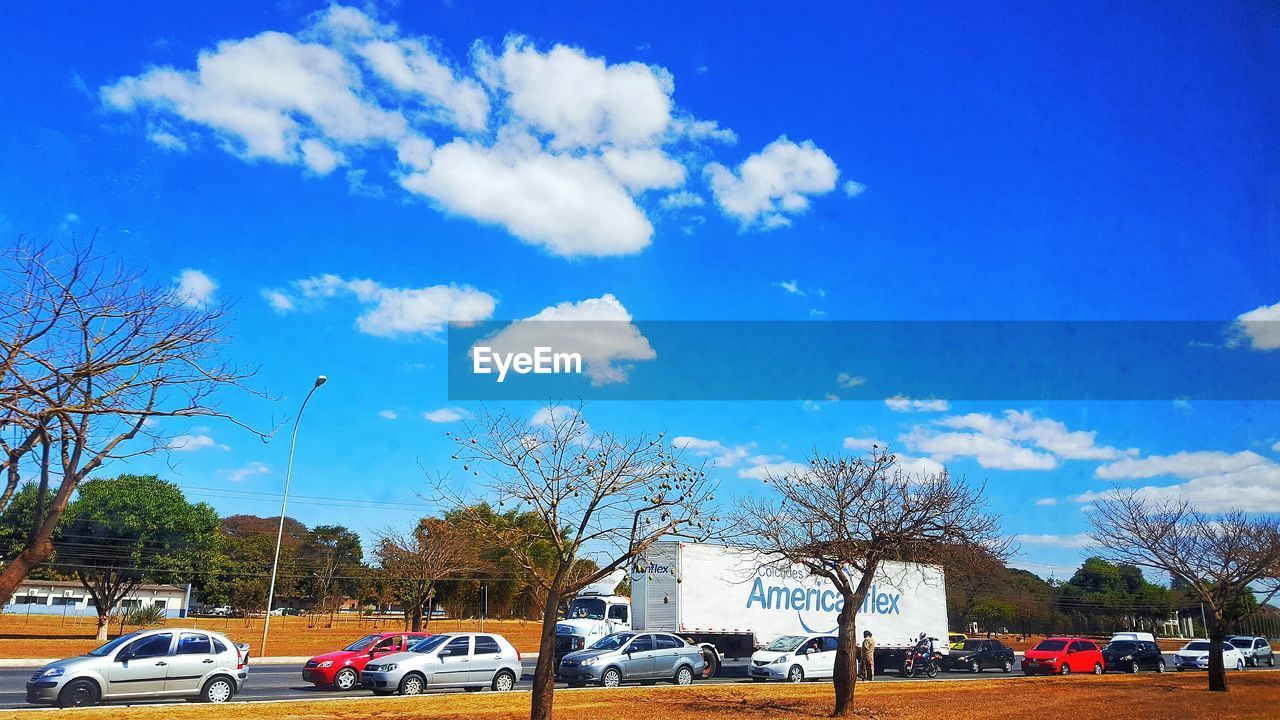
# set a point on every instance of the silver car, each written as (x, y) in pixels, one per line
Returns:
(465, 660)
(164, 663)
(630, 656)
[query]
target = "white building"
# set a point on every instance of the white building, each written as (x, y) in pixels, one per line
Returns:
(62, 597)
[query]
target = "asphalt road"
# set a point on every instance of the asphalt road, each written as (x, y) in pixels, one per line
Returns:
(284, 682)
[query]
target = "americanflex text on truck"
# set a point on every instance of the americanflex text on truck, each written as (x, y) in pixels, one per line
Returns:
(731, 600)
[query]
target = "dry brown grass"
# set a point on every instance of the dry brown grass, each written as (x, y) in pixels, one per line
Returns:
(47, 636)
(1254, 696)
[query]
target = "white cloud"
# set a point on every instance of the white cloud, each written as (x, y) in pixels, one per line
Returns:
(847, 380)
(1182, 464)
(412, 68)
(319, 157)
(1276, 447)
(774, 184)
(853, 188)
(990, 452)
(901, 403)
(1261, 326)
(790, 286)
(193, 442)
(194, 289)
(722, 455)
(445, 415)
(388, 414)
(1081, 540)
(247, 471)
(643, 169)
(763, 467)
(1046, 502)
(1255, 488)
(581, 101)
(1044, 433)
(681, 199)
(599, 329)
(391, 311)
(862, 443)
(167, 140)
(570, 205)
(1016, 441)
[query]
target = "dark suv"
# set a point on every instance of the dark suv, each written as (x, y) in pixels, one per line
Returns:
(1256, 650)
(1132, 656)
(978, 655)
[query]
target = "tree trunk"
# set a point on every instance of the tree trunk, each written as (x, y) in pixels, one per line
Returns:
(544, 675)
(18, 569)
(846, 668)
(104, 622)
(415, 619)
(1217, 637)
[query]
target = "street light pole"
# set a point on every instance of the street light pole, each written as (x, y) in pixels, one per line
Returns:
(284, 501)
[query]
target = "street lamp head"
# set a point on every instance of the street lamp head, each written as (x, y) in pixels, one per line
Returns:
(321, 380)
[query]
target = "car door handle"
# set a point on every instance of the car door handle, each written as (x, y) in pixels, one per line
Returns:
(207, 660)
(161, 663)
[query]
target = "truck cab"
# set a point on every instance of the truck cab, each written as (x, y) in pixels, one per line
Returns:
(594, 613)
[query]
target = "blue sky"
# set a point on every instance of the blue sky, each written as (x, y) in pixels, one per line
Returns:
(349, 178)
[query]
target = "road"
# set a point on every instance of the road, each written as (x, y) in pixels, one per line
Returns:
(284, 682)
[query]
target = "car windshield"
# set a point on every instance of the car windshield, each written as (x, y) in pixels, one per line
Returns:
(592, 608)
(1242, 642)
(612, 642)
(1124, 646)
(428, 644)
(111, 646)
(1050, 645)
(1197, 645)
(786, 643)
(362, 644)
(971, 645)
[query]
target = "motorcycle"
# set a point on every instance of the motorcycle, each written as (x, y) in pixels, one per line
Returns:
(921, 662)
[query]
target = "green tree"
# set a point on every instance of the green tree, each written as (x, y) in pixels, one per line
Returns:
(130, 529)
(331, 557)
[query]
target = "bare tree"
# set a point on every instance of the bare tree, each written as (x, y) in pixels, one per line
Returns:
(841, 518)
(89, 354)
(413, 563)
(1217, 557)
(599, 496)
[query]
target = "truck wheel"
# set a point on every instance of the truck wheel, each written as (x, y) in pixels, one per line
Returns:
(795, 674)
(611, 678)
(710, 663)
(345, 679)
(79, 693)
(684, 676)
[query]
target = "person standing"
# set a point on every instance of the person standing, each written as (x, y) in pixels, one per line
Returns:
(867, 657)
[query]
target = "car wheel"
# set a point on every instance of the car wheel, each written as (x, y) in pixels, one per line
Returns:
(79, 693)
(504, 681)
(975, 667)
(1097, 668)
(217, 690)
(795, 674)
(1271, 661)
(1134, 667)
(1008, 666)
(1239, 664)
(684, 676)
(611, 678)
(1065, 669)
(1160, 667)
(412, 685)
(345, 679)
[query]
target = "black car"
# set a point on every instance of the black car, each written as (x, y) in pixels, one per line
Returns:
(978, 655)
(1132, 656)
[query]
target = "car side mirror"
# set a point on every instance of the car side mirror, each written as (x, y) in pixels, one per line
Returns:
(123, 656)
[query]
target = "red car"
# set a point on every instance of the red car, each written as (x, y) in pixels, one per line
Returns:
(1063, 656)
(341, 669)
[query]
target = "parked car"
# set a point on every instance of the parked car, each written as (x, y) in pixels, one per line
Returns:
(341, 669)
(1141, 636)
(978, 655)
(631, 656)
(1132, 656)
(465, 660)
(1256, 650)
(148, 664)
(1063, 656)
(795, 658)
(1195, 656)
(955, 639)
(222, 611)
(287, 612)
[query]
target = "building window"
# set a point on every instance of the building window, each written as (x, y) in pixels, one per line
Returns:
(29, 600)
(130, 603)
(65, 600)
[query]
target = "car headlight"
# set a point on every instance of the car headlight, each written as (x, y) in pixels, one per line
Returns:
(591, 661)
(388, 667)
(52, 672)
(779, 661)
(325, 664)
(1127, 657)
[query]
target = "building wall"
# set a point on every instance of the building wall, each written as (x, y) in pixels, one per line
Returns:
(36, 598)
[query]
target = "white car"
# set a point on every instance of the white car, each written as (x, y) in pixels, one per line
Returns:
(1195, 656)
(795, 658)
(466, 660)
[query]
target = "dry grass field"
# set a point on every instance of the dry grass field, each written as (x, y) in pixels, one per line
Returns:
(1253, 696)
(46, 636)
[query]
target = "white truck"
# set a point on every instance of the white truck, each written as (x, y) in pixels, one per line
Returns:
(732, 600)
